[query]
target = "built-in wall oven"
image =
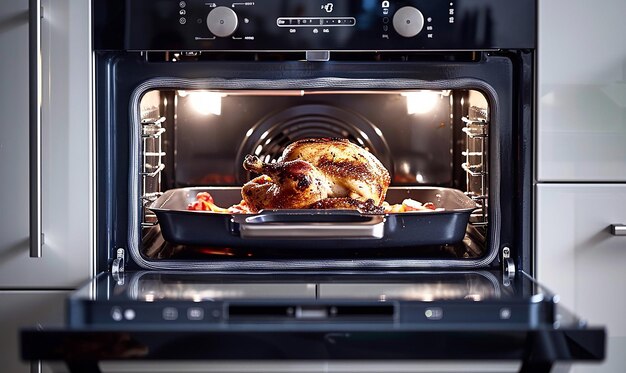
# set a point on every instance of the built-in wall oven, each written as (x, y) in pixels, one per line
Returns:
(440, 93)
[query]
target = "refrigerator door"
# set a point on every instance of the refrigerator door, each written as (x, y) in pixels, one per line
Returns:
(461, 315)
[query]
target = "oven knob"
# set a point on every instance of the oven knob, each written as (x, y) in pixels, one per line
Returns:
(222, 21)
(408, 21)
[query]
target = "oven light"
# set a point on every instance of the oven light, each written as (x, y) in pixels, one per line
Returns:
(421, 102)
(205, 102)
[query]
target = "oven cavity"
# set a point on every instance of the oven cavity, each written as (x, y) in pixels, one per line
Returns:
(433, 142)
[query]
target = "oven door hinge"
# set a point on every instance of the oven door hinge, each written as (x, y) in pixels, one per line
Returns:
(508, 264)
(117, 267)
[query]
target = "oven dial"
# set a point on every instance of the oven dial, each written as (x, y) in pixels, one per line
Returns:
(222, 21)
(408, 21)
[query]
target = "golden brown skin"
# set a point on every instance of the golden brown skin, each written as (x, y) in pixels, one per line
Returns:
(350, 170)
(285, 185)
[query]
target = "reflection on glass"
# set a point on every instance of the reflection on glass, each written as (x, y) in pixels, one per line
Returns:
(474, 286)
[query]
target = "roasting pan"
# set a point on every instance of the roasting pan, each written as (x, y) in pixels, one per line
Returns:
(313, 229)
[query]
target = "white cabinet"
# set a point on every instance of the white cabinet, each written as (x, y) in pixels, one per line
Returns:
(66, 139)
(21, 309)
(578, 256)
(581, 133)
(581, 260)
(66, 68)
(581, 144)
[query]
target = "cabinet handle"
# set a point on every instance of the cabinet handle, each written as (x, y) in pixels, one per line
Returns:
(618, 229)
(35, 88)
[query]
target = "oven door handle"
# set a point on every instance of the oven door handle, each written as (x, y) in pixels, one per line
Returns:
(298, 224)
(35, 100)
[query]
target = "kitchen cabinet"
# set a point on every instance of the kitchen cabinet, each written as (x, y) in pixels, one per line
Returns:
(581, 260)
(581, 163)
(25, 308)
(66, 139)
(29, 287)
(582, 91)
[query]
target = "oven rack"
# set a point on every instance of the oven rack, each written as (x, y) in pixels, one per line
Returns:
(152, 130)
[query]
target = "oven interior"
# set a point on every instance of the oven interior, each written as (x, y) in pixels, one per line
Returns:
(199, 137)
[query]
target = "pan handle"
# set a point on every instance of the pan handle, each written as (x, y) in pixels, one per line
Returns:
(298, 225)
(35, 84)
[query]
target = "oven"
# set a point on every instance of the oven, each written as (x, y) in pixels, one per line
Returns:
(441, 94)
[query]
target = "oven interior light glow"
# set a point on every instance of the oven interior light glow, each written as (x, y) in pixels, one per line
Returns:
(421, 102)
(204, 102)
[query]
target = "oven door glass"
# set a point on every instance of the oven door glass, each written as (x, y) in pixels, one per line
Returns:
(460, 315)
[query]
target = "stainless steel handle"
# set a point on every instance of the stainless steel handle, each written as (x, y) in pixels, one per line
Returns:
(35, 366)
(618, 229)
(35, 85)
(368, 227)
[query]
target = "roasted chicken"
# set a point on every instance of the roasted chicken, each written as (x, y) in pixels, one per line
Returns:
(312, 170)
(285, 185)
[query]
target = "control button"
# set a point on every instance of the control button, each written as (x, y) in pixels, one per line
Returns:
(129, 314)
(182, 20)
(434, 313)
(505, 313)
(195, 313)
(222, 21)
(182, 4)
(385, 20)
(170, 313)
(116, 313)
(408, 21)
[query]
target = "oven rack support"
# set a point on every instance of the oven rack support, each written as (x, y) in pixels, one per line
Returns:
(152, 131)
(476, 161)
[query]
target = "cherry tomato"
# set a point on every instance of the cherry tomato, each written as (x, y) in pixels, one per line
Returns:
(430, 205)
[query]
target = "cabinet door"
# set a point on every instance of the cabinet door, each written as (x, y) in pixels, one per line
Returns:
(581, 128)
(20, 309)
(579, 258)
(66, 145)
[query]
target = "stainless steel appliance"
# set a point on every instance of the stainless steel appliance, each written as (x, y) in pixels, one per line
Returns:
(440, 92)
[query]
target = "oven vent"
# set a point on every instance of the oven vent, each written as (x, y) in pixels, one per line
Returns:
(476, 161)
(268, 138)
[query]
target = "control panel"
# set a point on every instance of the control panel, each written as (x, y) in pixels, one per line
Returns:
(331, 25)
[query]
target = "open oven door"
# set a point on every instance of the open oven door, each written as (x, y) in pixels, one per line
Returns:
(333, 322)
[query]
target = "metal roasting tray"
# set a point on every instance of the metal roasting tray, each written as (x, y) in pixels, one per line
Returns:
(314, 229)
